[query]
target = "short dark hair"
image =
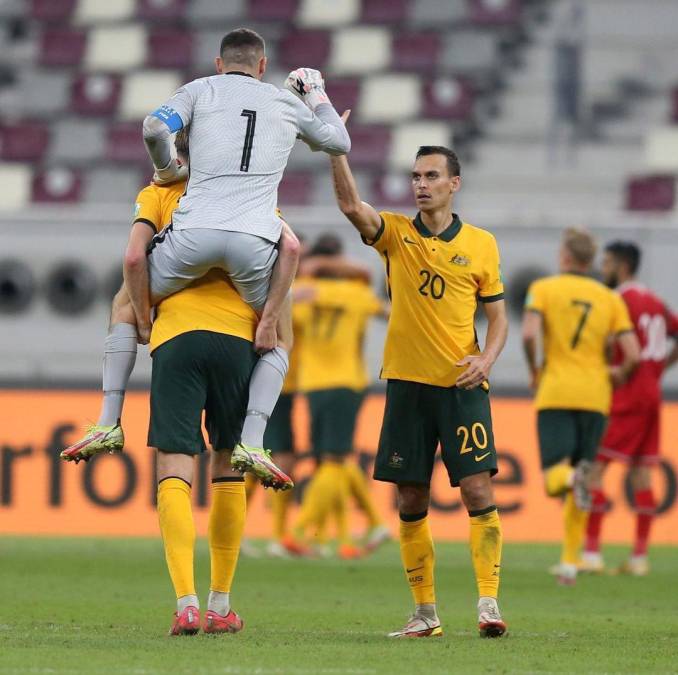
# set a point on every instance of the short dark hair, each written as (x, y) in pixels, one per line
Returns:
(242, 45)
(625, 251)
(453, 166)
(327, 244)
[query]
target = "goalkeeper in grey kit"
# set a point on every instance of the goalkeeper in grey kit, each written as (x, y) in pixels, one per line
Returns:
(241, 133)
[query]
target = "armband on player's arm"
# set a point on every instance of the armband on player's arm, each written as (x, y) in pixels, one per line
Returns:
(158, 141)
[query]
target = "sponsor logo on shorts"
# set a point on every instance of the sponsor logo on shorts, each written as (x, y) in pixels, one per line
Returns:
(482, 457)
(396, 461)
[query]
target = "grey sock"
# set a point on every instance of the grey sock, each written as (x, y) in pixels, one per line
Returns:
(265, 386)
(120, 354)
(219, 602)
(427, 610)
(187, 601)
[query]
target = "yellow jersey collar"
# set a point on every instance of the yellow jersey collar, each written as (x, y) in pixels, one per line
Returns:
(447, 234)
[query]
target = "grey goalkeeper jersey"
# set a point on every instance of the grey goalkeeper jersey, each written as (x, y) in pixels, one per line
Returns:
(240, 137)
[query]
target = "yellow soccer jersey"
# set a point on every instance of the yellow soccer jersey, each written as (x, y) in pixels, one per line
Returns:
(332, 327)
(434, 283)
(579, 315)
(210, 303)
(155, 204)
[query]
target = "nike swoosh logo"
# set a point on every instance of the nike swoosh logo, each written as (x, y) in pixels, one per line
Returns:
(407, 240)
(482, 457)
(414, 569)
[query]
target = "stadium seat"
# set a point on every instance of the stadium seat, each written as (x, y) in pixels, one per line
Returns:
(438, 13)
(170, 48)
(389, 98)
(52, 10)
(146, 90)
(98, 12)
(62, 46)
(124, 143)
(77, 141)
(651, 193)
(495, 12)
(295, 189)
(206, 12)
(111, 183)
(448, 98)
(16, 186)
(369, 145)
(44, 93)
(323, 14)
(343, 93)
(469, 51)
(384, 11)
(114, 48)
(409, 136)
(416, 51)
(304, 46)
(57, 185)
(159, 10)
(360, 50)
(661, 149)
(394, 190)
(96, 94)
(23, 142)
(272, 10)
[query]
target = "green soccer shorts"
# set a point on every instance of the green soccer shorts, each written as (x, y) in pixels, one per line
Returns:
(195, 372)
(333, 417)
(419, 417)
(279, 436)
(569, 435)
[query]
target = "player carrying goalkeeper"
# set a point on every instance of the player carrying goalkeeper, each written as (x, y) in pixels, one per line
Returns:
(438, 267)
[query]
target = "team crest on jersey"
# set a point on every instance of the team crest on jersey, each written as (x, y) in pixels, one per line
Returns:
(396, 461)
(137, 208)
(462, 260)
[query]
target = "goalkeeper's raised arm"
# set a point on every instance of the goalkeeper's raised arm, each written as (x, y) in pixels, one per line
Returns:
(319, 124)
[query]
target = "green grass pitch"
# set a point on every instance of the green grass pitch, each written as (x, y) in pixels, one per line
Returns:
(104, 606)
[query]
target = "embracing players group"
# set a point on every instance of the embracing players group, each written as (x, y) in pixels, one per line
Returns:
(210, 254)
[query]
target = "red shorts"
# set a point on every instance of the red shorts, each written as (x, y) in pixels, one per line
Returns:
(632, 437)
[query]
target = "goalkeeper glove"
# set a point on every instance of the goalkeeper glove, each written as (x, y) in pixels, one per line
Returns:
(308, 85)
(174, 172)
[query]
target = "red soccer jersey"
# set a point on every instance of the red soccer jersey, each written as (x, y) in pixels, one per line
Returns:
(654, 323)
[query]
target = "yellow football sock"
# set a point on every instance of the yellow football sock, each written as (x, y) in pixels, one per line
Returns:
(226, 525)
(558, 479)
(486, 540)
(280, 502)
(251, 483)
(178, 532)
(340, 505)
(418, 556)
(575, 528)
(357, 483)
(319, 499)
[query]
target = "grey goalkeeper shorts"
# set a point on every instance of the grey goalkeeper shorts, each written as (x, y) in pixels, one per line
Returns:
(178, 257)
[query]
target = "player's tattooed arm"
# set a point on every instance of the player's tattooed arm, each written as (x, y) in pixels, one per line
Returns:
(135, 272)
(479, 366)
(532, 327)
(363, 216)
(630, 349)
